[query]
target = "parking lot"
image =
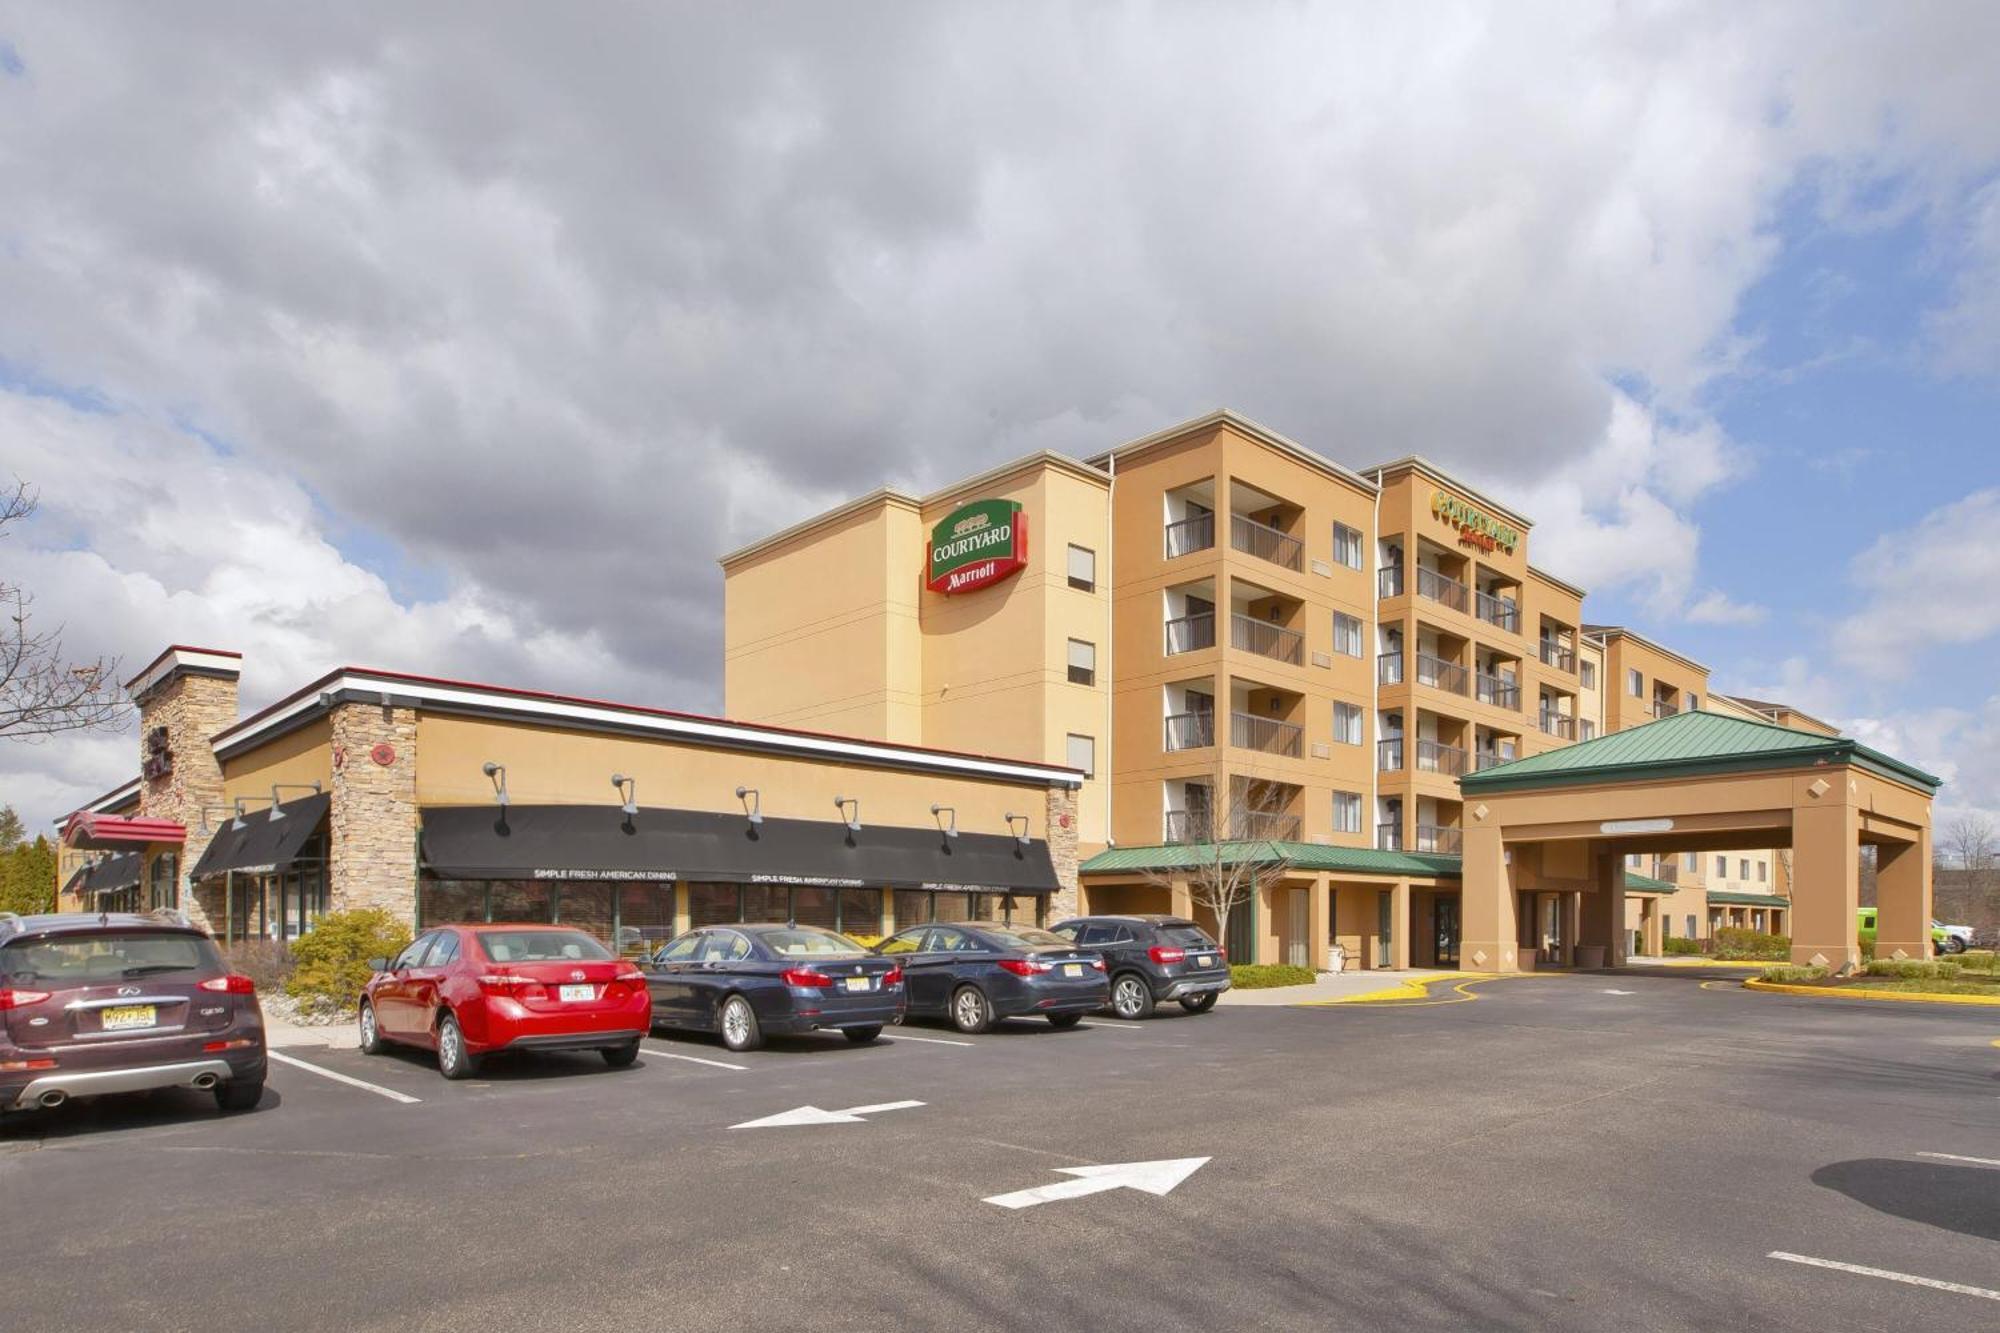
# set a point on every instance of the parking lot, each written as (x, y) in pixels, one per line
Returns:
(1583, 1151)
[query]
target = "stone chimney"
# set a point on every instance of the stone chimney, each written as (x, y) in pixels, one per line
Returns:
(184, 697)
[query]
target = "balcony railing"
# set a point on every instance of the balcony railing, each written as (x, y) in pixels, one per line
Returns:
(1189, 535)
(1560, 725)
(1437, 757)
(1188, 825)
(1389, 837)
(1485, 759)
(1389, 668)
(1251, 635)
(1190, 731)
(1389, 582)
(1442, 590)
(1247, 731)
(1661, 708)
(1501, 612)
(1440, 674)
(1264, 824)
(1439, 839)
(1556, 655)
(1496, 690)
(1187, 634)
(1266, 542)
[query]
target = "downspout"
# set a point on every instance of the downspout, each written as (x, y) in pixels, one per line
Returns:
(1374, 815)
(1110, 631)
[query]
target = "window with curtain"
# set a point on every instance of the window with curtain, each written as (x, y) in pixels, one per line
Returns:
(1347, 723)
(1082, 569)
(1082, 662)
(1347, 545)
(1081, 752)
(1346, 635)
(1346, 812)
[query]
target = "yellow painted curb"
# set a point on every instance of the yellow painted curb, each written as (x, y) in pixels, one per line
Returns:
(1829, 992)
(1705, 962)
(1418, 990)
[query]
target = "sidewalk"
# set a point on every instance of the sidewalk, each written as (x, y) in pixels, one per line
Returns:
(1332, 986)
(277, 1032)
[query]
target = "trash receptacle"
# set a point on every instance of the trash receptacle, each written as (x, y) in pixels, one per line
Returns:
(1336, 959)
(1589, 956)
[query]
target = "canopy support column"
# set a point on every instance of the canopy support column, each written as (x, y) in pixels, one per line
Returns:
(1826, 844)
(1487, 910)
(1903, 898)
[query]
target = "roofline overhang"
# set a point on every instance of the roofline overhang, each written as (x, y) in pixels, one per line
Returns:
(1839, 752)
(1537, 572)
(1422, 466)
(1245, 426)
(1765, 707)
(1606, 633)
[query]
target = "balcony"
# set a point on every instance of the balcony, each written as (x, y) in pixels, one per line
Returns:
(1445, 592)
(1497, 611)
(1250, 635)
(1389, 837)
(1190, 731)
(1189, 535)
(1555, 655)
(1266, 542)
(1389, 755)
(1661, 708)
(1485, 759)
(1264, 824)
(1437, 757)
(1389, 582)
(1440, 674)
(1188, 634)
(1496, 690)
(1438, 839)
(1187, 825)
(1389, 668)
(1247, 731)
(1559, 725)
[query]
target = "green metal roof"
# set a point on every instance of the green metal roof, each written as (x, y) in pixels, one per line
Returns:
(1302, 855)
(1647, 886)
(1689, 744)
(1721, 898)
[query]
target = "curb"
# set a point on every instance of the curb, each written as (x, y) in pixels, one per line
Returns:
(1830, 993)
(1413, 989)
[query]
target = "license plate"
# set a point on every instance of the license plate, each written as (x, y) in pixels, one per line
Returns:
(857, 983)
(128, 1016)
(1204, 960)
(1072, 969)
(568, 993)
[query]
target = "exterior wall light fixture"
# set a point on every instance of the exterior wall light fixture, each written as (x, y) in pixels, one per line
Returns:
(948, 826)
(1018, 826)
(850, 810)
(276, 813)
(498, 772)
(629, 789)
(753, 804)
(237, 822)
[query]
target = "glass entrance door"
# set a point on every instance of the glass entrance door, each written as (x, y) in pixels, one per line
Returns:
(1445, 913)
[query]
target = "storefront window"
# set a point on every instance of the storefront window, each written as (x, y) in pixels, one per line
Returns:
(953, 907)
(585, 906)
(912, 908)
(861, 912)
(714, 904)
(764, 902)
(446, 901)
(645, 917)
(522, 900)
(165, 891)
(815, 907)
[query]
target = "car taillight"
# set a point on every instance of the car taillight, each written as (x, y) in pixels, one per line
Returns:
(20, 999)
(234, 984)
(1020, 967)
(1097, 963)
(1164, 953)
(805, 976)
(893, 977)
(501, 981)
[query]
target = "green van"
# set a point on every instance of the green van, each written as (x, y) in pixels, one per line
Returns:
(1944, 939)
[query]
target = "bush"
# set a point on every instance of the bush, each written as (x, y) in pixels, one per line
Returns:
(1735, 942)
(1680, 944)
(1794, 974)
(333, 958)
(1912, 971)
(1263, 976)
(269, 963)
(1982, 961)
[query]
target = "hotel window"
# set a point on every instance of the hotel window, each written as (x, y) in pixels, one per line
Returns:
(1690, 925)
(1346, 635)
(1346, 812)
(1585, 728)
(1744, 865)
(1635, 683)
(1347, 723)
(1763, 872)
(1587, 671)
(1635, 860)
(1722, 867)
(1082, 753)
(1694, 702)
(1082, 662)
(1347, 545)
(1082, 569)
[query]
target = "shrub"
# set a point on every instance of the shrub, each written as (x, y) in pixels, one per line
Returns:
(1794, 974)
(1262, 976)
(333, 958)
(269, 963)
(1735, 942)
(1903, 970)
(1982, 961)
(1680, 944)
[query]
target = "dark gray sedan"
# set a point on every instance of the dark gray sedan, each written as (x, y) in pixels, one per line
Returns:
(746, 982)
(977, 973)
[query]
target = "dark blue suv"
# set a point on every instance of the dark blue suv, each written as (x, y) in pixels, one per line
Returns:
(1153, 959)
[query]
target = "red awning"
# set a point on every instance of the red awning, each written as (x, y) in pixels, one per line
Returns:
(89, 831)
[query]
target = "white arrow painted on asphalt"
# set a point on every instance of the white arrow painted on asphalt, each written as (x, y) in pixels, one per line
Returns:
(1150, 1177)
(1621, 992)
(812, 1115)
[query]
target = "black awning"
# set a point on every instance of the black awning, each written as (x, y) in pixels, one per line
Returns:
(78, 882)
(557, 842)
(119, 871)
(263, 845)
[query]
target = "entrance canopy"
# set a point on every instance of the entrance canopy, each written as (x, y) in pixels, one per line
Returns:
(1565, 820)
(264, 842)
(90, 831)
(598, 842)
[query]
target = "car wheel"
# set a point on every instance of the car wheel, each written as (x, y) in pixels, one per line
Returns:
(1198, 1004)
(1953, 944)
(618, 1057)
(1131, 997)
(739, 1025)
(454, 1061)
(862, 1036)
(371, 1035)
(238, 1094)
(969, 1010)
(1064, 1020)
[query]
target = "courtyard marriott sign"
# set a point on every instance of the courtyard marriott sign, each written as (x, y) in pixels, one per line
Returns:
(977, 545)
(1475, 526)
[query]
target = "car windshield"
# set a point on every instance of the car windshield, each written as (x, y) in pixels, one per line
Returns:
(1026, 937)
(540, 946)
(810, 942)
(1192, 937)
(85, 960)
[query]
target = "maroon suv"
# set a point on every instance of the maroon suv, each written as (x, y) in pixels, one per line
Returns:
(93, 1003)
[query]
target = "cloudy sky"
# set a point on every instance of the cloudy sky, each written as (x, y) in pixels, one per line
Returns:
(462, 338)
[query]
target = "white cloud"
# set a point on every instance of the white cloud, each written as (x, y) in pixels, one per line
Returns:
(1718, 608)
(1929, 586)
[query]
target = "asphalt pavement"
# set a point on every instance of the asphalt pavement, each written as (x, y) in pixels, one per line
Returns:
(1582, 1151)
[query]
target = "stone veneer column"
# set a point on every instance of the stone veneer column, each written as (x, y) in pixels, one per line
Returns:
(192, 707)
(372, 825)
(1062, 850)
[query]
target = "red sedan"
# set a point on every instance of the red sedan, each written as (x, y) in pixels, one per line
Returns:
(467, 991)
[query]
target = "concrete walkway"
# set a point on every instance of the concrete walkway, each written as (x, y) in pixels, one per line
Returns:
(1331, 986)
(279, 1033)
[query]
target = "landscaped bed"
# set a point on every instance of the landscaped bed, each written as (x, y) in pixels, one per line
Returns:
(1976, 974)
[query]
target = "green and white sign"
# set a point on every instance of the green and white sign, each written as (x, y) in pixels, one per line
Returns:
(976, 546)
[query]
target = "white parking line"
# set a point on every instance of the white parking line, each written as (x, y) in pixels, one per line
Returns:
(375, 1088)
(1111, 1027)
(693, 1059)
(1956, 1288)
(1954, 1157)
(933, 1041)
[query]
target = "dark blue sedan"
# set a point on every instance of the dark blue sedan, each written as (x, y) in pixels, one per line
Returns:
(976, 974)
(748, 982)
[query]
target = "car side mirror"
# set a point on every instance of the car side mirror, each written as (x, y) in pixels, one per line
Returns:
(378, 964)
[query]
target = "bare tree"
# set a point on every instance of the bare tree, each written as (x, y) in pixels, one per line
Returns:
(1231, 856)
(42, 692)
(1970, 838)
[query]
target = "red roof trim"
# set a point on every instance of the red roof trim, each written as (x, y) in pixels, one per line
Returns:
(86, 829)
